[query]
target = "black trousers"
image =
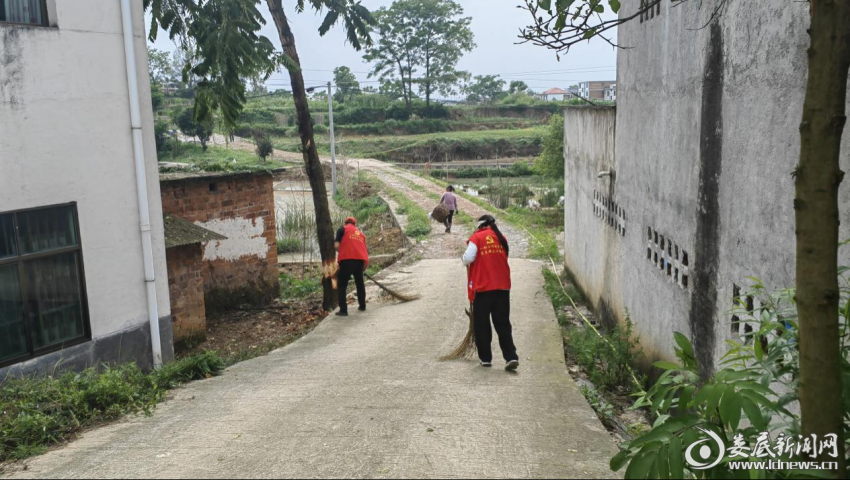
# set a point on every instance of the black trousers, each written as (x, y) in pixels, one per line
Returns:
(450, 219)
(494, 305)
(347, 269)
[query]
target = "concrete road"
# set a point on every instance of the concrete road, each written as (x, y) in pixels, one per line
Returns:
(365, 397)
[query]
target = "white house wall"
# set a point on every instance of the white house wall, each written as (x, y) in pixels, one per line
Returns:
(65, 137)
(707, 135)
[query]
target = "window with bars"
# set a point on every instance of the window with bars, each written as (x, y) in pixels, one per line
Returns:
(43, 304)
(30, 12)
(649, 9)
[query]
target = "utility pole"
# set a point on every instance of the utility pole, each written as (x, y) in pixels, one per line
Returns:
(333, 143)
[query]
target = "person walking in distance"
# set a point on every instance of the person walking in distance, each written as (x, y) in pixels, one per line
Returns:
(449, 199)
(353, 261)
(486, 258)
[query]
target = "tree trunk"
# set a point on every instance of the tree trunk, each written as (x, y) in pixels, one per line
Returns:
(816, 210)
(428, 82)
(312, 163)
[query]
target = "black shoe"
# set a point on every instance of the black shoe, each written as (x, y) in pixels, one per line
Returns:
(512, 365)
(486, 364)
(341, 314)
(362, 309)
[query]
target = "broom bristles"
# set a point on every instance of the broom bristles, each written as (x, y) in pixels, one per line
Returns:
(466, 349)
(400, 296)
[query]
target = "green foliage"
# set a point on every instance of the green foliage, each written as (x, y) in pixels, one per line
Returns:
(292, 288)
(485, 89)
(159, 67)
(607, 359)
(161, 137)
(418, 222)
(758, 381)
(200, 128)
(346, 84)
(518, 86)
(519, 169)
(550, 163)
(424, 37)
(216, 159)
(289, 245)
(38, 412)
(265, 147)
(597, 401)
(363, 210)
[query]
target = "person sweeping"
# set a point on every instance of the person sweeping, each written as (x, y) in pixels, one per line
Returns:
(353, 261)
(449, 199)
(490, 283)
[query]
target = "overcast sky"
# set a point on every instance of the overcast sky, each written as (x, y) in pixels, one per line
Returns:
(495, 23)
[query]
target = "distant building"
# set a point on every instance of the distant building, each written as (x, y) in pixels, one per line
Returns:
(597, 89)
(611, 93)
(555, 95)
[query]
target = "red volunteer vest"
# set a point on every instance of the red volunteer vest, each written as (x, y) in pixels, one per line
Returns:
(353, 245)
(490, 270)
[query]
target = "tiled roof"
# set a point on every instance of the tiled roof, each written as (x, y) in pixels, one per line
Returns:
(179, 232)
(555, 91)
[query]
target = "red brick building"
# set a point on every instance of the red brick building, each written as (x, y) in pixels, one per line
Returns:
(242, 267)
(186, 271)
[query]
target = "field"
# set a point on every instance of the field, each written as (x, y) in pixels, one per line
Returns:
(432, 147)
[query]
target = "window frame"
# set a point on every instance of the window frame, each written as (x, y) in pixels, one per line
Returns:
(20, 259)
(45, 14)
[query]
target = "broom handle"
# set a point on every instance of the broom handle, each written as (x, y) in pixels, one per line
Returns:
(377, 283)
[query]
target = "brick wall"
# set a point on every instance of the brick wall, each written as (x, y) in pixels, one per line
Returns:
(242, 208)
(186, 286)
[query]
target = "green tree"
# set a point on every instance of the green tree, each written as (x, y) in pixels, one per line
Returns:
(159, 67)
(550, 163)
(265, 148)
(200, 128)
(518, 86)
(485, 89)
(420, 42)
(560, 24)
(346, 83)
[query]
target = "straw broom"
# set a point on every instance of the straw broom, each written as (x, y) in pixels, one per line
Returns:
(399, 296)
(466, 349)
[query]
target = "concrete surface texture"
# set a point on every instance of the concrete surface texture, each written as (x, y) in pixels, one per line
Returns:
(365, 397)
(707, 137)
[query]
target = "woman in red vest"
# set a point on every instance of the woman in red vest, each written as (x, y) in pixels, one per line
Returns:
(353, 261)
(490, 283)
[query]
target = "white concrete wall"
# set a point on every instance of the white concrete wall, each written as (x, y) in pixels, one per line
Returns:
(65, 137)
(707, 135)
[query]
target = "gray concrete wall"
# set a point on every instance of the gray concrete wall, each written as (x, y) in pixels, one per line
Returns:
(706, 140)
(65, 123)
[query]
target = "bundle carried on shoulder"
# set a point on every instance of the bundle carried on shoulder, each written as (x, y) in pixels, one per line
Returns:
(440, 214)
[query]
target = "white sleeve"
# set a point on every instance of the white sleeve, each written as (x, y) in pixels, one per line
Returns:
(471, 254)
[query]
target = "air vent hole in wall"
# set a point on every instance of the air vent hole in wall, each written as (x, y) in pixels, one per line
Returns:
(609, 212)
(736, 325)
(663, 252)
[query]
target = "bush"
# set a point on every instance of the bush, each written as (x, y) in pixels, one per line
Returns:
(753, 392)
(289, 245)
(265, 148)
(292, 288)
(38, 412)
(550, 163)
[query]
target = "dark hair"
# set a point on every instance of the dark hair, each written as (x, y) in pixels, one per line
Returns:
(450, 188)
(490, 221)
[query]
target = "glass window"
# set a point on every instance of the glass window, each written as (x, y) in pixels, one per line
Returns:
(42, 295)
(32, 12)
(47, 229)
(13, 332)
(8, 241)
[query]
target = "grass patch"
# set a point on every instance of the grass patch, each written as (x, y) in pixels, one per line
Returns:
(36, 413)
(418, 223)
(609, 359)
(220, 159)
(289, 245)
(293, 288)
